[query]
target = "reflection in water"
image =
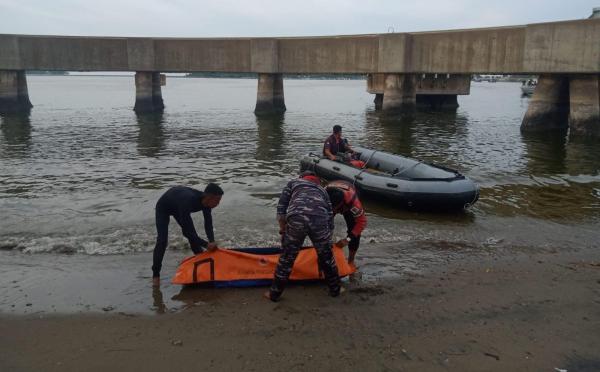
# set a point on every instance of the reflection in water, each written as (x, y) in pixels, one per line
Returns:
(157, 299)
(192, 295)
(427, 136)
(16, 130)
(389, 133)
(546, 152)
(151, 137)
(583, 157)
(556, 184)
(270, 136)
(376, 207)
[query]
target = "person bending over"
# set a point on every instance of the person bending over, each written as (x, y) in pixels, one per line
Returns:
(304, 209)
(344, 200)
(180, 202)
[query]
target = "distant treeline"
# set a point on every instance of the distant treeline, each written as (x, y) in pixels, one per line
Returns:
(40, 72)
(251, 75)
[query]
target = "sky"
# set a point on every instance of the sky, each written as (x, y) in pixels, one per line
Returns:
(260, 18)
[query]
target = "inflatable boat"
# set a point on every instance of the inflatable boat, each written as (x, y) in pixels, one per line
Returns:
(405, 182)
(249, 267)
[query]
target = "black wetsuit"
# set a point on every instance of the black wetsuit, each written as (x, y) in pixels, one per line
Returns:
(180, 202)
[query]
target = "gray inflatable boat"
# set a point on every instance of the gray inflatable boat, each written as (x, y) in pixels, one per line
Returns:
(405, 182)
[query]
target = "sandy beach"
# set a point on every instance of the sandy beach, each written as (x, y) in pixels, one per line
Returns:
(494, 311)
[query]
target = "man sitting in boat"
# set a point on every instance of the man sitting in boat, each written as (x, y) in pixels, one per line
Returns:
(180, 202)
(335, 144)
(344, 200)
(304, 209)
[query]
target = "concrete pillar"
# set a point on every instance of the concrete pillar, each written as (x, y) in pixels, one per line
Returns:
(269, 97)
(23, 92)
(378, 101)
(148, 95)
(584, 105)
(14, 95)
(549, 106)
(399, 93)
(437, 101)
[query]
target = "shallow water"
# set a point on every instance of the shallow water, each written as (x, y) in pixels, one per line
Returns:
(82, 172)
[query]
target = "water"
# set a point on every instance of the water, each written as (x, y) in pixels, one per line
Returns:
(82, 172)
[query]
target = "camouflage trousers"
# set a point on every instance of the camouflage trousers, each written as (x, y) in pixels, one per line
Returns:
(319, 231)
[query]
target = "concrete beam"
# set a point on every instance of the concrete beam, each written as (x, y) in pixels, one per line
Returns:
(584, 104)
(427, 84)
(10, 57)
(264, 56)
(343, 54)
(549, 107)
(140, 55)
(557, 48)
(209, 55)
(562, 47)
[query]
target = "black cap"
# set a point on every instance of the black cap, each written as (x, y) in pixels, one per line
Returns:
(337, 128)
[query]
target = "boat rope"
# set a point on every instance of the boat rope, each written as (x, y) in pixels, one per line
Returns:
(364, 168)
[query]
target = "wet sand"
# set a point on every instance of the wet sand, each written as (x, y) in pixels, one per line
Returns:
(490, 311)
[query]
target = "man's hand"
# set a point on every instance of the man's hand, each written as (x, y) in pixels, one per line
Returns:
(342, 242)
(211, 247)
(156, 281)
(282, 224)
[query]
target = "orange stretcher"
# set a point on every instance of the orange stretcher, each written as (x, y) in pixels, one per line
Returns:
(249, 267)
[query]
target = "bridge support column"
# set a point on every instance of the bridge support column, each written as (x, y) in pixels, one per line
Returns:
(400, 92)
(148, 95)
(584, 104)
(549, 106)
(437, 101)
(378, 101)
(269, 96)
(14, 96)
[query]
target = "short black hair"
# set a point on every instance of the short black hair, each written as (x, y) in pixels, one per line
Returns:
(214, 189)
(337, 128)
(336, 196)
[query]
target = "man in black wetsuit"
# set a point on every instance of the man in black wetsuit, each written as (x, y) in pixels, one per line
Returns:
(180, 202)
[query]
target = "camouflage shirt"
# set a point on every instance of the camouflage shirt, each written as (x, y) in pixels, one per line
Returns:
(302, 197)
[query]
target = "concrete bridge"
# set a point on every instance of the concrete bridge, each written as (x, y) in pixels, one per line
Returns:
(401, 66)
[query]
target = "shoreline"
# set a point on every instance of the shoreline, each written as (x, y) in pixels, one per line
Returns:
(493, 311)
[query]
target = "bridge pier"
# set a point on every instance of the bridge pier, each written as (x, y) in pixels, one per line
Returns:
(378, 101)
(584, 105)
(148, 94)
(549, 106)
(400, 93)
(14, 96)
(269, 96)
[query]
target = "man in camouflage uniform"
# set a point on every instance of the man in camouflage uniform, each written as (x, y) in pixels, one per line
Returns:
(304, 209)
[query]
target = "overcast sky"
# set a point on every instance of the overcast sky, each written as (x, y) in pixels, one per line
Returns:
(226, 18)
